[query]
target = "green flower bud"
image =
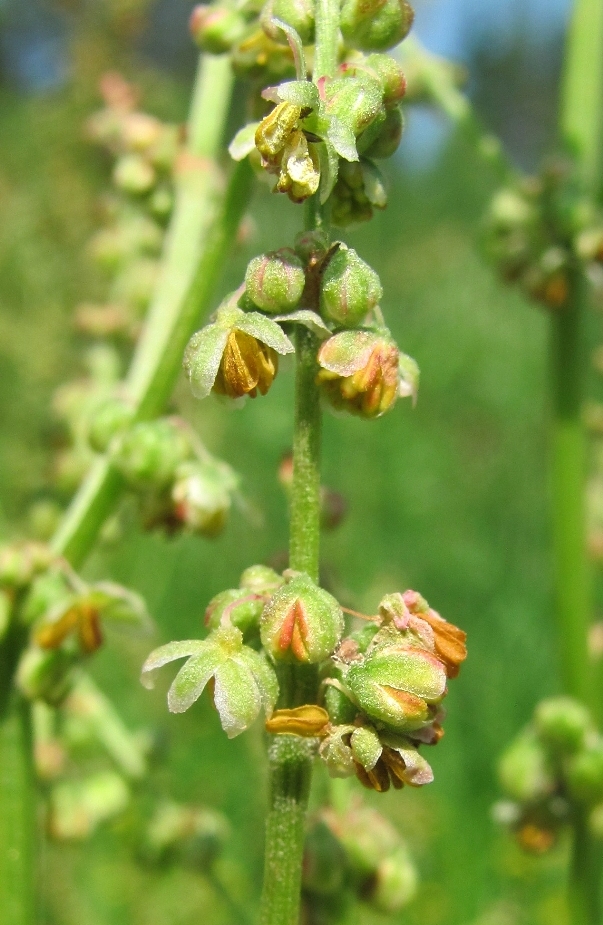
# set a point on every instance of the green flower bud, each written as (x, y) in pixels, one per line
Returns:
(388, 138)
(562, 723)
(260, 579)
(349, 288)
(275, 281)
(376, 25)
(359, 190)
(301, 622)
(20, 562)
(354, 102)
(215, 29)
(366, 747)
(45, 674)
(191, 835)
(523, 770)
(134, 174)
(312, 245)
(202, 495)
(78, 807)
(299, 14)
(109, 418)
(585, 774)
(367, 838)
(240, 607)
(395, 883)
(149, 454)
(390, 76)
(398, 685)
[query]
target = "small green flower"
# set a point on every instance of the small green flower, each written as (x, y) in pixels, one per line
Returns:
(244, 682)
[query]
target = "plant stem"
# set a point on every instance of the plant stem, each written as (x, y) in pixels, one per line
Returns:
(581, 123)
(290, 757)
(17, 797)
(200, 236)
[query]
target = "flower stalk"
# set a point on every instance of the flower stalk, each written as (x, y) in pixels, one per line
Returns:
(581, 122)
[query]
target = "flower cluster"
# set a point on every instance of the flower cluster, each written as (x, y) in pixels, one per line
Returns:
(330, 290)
(542, 230)
(382, 686)
(551, 773)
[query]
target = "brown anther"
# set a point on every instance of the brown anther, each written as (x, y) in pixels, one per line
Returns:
(375, 779)
(449, 641)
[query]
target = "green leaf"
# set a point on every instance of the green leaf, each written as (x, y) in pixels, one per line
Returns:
(309, 319)
(165, 654)
(189, 683)
(202, 358)
(266, 330)
(243, 142)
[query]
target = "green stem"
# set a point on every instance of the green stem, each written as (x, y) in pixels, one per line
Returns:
(290, 757)
(585, 879)
(205, 221)
(17, 798)
(581, 123)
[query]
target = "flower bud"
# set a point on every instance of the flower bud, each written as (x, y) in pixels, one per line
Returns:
(349, 288)
(388, 138)
(585, 774)
(359, 189)
(340, 708)
(247, 367)
(78, 807)
(367, 838)
(395, 883)
(275, 281)
(109, 418)
(376, 25)
(301, 622)
(189, 834)
(449, 640)
(260, 579)
(45, 674)
(324, 867)
(133, 174)
(355, 103)
(523, 770)
(149, 453)
(390, 76)
(299, 14)
(215, 29)
(236, 606)
(359, 372)
(398, 685)
(562, 723)
(202, 495)
(312, 245)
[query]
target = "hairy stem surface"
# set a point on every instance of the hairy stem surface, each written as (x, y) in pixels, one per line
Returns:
(290, 757)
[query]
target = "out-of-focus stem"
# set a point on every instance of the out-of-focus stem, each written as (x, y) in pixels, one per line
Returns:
(193, 258)
(581, 122)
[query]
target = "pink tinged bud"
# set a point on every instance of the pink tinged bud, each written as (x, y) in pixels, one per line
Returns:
(354, 102)
(299, 14)
(349, 288)
(301, 622)
(359, 372)
(275, 281)
(391, 77)
(376, 25)
(215, 29)
(398, 686)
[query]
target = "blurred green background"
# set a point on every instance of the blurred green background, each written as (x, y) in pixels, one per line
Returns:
(449, 498)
